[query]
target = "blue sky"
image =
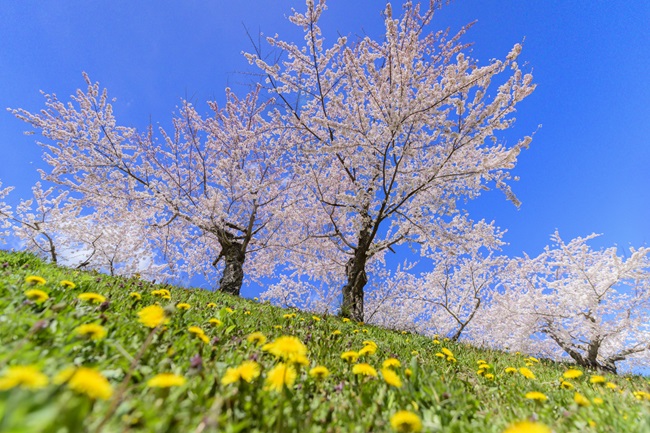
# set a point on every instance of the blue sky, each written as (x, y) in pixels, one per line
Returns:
(587, 168)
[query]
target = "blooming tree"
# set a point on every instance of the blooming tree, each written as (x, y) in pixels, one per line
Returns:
(212, 189)
(5, 212)
(591, 305)
(392, 133)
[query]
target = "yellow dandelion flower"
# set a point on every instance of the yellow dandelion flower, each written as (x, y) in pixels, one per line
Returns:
(246, 371)
(527, 427)
(167, 297)
(405, 421)
(451, 359)
(280, 376)
(510, 370)
(286, 347)
(66, 284)
(211, 305)
(350, 356)
(300, 360)
(166, 380)
(533, 359)
(95, 298)
(319, 372)
(152, 316)
(537, 396)
(215, 322)
(256, 338)
(346, 320)
(611, 385)
(89, 382)
(23, 376)
(183, 306)
(581, 400)
(436, 342)
(289, 315)
(364, 369)
(489, 376)
(480, 372)
(597, 379)
(229, 310)
(163, 293)
(598, 401)
(367, 350)
(94, 331)
(35, 280)
(640, 395)
(391, 363)
(135, 295)
(336, 332)
(566, 385)
(481, 361)
(484, 366)
(277, 326)
(572, 373)
(408, 372)
(36, 295)
(370, 343)
(195, 330)
(447, 352)
(315, 318)
(526, 373)
(391, 378)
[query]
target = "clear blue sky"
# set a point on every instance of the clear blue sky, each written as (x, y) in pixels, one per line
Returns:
(586, 171)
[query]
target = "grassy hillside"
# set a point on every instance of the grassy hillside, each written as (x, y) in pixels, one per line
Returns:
(79, 352)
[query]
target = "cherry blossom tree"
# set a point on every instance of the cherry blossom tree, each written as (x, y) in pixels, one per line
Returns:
(212, 189)
(5, 212)
(393, 133)
(591, 305)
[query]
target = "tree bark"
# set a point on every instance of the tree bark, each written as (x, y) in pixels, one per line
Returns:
(234, 257)
(355, 270)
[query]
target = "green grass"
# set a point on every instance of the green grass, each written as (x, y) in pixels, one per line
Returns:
(447, 396)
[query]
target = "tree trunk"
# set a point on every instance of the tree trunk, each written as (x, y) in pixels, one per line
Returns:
(355, 270)
(234, 257)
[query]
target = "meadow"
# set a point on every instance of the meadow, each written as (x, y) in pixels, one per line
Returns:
(85, 352)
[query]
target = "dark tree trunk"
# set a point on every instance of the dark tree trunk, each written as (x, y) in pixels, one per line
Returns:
(355, 271)
(234, 257)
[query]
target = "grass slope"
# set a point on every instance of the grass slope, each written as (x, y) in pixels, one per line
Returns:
(43, 390)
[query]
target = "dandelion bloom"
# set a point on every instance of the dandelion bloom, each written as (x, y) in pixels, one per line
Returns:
(336, 332)
(611, 385)
(95, 298)
(215, 322)
(280, 376)
(484, 366)
(36, 295)
(581, 400)
(350, 356)
(212, 305)
(24, 376)
(183, 306)
(391, 363)
(256, 338)
(195, 330)
(35, 280)
(67, 284)
(135, 295)
(436, 342)
(447, 352)
(367, 350)
(572, 373)
(391, 378)
(598, 400)
(166, 380)
(247, 371)
(364, 369)
(289, 315)
(152, 316)
(87, 381)
(597, 379)
(440, 355)
(566, 385)
(405, 421)
(537, 396)
(370, 343)
(319, 372)
(526, 373)
(229, 310)
(510, 370)
(489, 376)
(346, 320)
(94, 331)
(532, 359)
(527, 427)
(408, 372)
(286, 347)
(315, 318)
